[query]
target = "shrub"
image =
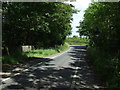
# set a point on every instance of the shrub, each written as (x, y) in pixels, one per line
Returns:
(106, 65)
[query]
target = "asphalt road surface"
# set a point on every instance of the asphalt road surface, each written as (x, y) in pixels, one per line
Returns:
(66, 71)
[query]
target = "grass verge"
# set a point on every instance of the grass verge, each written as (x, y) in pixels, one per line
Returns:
(20, 57)
(107, 66)
(47, 52)
(14, 58)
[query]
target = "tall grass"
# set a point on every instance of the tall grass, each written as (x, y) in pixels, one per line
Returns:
(106, 65)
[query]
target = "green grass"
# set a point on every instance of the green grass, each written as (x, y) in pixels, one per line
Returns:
(14, 58)
(77, 41)
(17, 58)
(46, 52)
(106, 65)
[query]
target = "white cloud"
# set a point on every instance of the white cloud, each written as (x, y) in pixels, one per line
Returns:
(81, 5)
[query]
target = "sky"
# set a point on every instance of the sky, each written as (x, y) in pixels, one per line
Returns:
(81, 5)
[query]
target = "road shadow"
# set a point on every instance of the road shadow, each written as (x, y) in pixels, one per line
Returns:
(18, 68)
(40, 74)
(33, 76)
(85, 77)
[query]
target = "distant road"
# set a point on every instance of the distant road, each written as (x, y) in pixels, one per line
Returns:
(65, 71)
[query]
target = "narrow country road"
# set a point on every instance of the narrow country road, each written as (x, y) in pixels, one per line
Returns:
(67, 71)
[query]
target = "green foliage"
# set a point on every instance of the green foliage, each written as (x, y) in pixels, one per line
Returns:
(17, 58)
(46, 52)
(43, 24)
(106, 65)
(101, 23)
(41, 52)
(77, 41)
(75, 36)
(14, 58)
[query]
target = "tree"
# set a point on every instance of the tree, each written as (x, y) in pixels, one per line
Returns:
(101, 25)
(41, 24)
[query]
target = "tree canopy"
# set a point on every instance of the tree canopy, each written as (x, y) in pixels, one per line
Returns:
(101, 23)
(43, 24)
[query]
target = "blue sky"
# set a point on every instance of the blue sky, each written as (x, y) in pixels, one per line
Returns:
(81, 5)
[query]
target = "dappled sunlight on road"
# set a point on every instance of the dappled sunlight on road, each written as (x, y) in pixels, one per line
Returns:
(68, 71)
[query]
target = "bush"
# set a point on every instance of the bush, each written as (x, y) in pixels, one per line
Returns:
(14, 58)
(106, 65)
